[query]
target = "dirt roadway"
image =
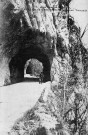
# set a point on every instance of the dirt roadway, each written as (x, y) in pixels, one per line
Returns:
(15, 100)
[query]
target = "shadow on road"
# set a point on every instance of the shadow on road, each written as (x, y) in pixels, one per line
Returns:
(30, 79)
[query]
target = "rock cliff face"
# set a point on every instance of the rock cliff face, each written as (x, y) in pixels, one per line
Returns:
(42, 29)
(30, 24)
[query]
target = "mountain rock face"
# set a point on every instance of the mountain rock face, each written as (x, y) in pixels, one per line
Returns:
(30, 25)
(43, 30)
(37, 29)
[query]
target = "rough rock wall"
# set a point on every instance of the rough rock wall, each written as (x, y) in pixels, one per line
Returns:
(47, 22)
(64, 38)
(42, 17)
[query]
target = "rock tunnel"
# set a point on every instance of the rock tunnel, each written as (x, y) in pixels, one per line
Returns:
(17, 63)
(33, 67)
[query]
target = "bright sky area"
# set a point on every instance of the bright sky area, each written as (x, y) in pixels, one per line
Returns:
(80, 14)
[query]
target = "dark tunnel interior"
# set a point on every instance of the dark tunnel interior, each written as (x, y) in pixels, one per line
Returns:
(17, 63)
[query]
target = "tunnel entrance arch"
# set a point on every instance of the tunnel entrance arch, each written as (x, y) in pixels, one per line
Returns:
(27, 68)
(17, 63)
(33, 68)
